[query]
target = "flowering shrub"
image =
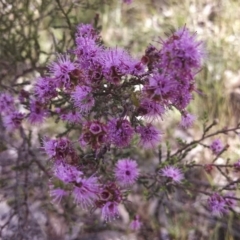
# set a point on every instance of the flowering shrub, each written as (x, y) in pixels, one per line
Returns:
(110, 102)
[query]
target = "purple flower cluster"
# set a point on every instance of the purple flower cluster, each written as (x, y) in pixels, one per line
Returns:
(93, 90)
(84, 190)
(60, 149)
(94, 134)
(45, 89)
(117, 63)
(88, 192)
(120, 132)
(174, 67)
(91, 73)
(71, 116)
(220, 205)
(109, 199)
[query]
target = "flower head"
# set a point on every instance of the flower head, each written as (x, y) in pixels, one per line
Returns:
(94, 134)
(83, 98)
(45, 89)
(187, 120)
(180, 58)
(173, 173)
(116, 63)
(217, 146)
(150, 108)
(38, 112)
(126, 171)
(73, 116)
(160, 88)
(66, 172)
(87, 31)
(6, 102)
(182, 51)
(60, 149)
(110, 211)
(182, 99)
(86, 191)
(61, 70)
(120, 132)
(149, 136)
(236, 166)
(87, 51)
(13, 120)
(135, 223)
(217, 204)
(109, 198)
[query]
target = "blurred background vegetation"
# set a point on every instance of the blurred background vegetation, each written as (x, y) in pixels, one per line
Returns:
(33, 31)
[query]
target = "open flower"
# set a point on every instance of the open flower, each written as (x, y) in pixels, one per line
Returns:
(126, 171)
(173, 173)
(187, 120)
(61, 70)
(38, 112)
(83, 99)
(66, 172)
(120, 132)
(110, 211)
(86, 191)
(149, 136)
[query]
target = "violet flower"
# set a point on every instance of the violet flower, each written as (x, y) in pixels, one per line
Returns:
(216, 146)
(149, 136)
(173, 173)
(120, 132)
(126, 171)
(135, 224)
